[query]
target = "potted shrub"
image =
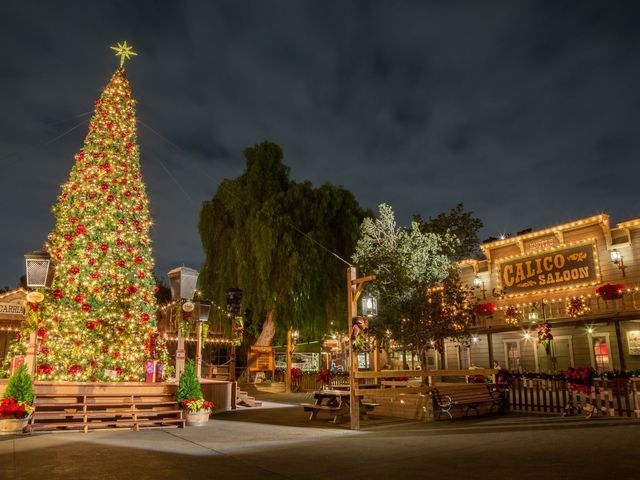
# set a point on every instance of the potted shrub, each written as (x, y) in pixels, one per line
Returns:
(16, 406)
(189, 397)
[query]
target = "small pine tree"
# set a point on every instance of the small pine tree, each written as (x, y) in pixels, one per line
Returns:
(20, 387)
(189, 386)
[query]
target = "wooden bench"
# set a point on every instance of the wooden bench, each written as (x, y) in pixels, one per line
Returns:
(468, 396)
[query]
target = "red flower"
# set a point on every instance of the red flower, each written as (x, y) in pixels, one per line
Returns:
(42, 332)
(610, 292)
(45, 369)
(485, 309)
(80, 229)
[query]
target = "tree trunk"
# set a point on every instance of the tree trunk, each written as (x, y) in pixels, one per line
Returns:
(268, 331)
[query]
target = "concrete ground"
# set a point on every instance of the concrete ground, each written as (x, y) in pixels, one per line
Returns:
(277, 441)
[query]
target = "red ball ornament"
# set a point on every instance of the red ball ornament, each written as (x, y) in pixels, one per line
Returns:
(104, 247)
(92, 195)
(127, 193)
(119, 242)
(81, 229)
(92, 261)
(138, 259)
(115, 354)
(141, 275)
(139, 207)
(74, 270)
(79, 298)
(132, 289)
(95, 275)
(90, 325)
(156, 289)
(105, 349)
(120, 263)
(73, 219)
(57, 294)
(144, 317)
(110, 198)
(104, 187)
(86, 307)
(67, 236)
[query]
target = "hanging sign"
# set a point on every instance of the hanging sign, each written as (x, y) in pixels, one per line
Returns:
(553, 269)
(12, 308)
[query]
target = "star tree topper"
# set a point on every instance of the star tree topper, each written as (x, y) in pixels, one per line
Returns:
(124, 51)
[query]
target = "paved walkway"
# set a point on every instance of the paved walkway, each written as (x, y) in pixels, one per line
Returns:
(278, 442)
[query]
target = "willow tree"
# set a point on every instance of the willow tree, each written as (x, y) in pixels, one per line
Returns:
(421, 299)
(265, 234)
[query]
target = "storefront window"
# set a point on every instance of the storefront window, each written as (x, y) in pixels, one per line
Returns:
(601, 354)
(513, 356)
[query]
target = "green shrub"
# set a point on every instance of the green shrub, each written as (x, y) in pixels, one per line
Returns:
(189, 386)
(20, 386)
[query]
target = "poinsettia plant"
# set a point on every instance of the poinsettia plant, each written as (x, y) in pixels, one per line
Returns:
(196, 404)
(485, 309)
(609, 291)
(12, 408)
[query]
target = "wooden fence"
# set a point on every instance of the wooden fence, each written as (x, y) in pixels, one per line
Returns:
(615, 398)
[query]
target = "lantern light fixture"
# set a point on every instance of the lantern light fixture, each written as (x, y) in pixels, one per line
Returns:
(618, 259)
(204, 307)
(39, 269)
(183, 281)
(479, 283)
(369, 305)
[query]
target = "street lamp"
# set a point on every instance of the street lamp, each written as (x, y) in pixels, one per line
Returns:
(39, 272)
(234, 307)
(183, 281)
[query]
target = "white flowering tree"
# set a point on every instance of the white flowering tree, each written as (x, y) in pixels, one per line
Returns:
(421, 299)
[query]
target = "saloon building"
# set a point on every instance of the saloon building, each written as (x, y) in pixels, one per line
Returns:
(581, 278)
(11, 317)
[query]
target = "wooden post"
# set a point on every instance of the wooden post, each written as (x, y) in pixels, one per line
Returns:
(31, 353)
(376, 360)
(287, 373)
(490, 347)
(354, 410)
(199, 351)
(180, 355)
(623, 363)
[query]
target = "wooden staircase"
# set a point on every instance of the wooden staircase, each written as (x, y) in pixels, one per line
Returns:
(93, 411)
(243, 398)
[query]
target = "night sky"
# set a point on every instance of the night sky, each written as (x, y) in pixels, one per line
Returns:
(528, 112)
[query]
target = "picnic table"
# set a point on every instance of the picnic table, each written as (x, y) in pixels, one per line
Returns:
(336, 403)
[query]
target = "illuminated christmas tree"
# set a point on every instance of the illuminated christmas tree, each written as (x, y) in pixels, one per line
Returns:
(97, 321)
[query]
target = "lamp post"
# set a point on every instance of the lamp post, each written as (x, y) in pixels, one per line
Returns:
(204, 307)
(183, 281)
(618, 259)
(355, 286)
(234, 307)
(39, 272)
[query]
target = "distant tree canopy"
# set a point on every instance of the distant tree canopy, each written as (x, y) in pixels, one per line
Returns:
(462, 225)
(421, 299)
(258, 234)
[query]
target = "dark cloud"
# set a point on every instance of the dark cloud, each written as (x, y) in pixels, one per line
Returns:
(525, 111)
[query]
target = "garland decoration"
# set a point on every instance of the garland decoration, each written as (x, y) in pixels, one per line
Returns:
(512, 315)
(577, 307)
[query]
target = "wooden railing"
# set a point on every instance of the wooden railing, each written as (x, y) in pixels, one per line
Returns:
(555, 310)
(616, 398)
